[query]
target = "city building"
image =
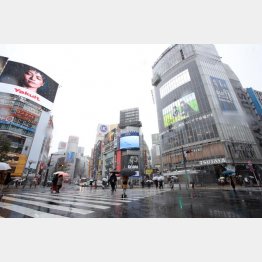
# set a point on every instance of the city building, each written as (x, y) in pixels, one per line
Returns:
(129, 117)
(155, 152)
(25, 115)
(202, 125)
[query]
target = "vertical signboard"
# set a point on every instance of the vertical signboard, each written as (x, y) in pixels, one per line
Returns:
(223, 94)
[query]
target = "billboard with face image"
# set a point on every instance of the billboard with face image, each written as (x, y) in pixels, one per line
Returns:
(29, 82)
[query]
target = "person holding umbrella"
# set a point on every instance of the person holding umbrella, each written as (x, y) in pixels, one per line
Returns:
(125, 174)
(59, 183)
(4, 167)
(112, 181)
(124, 185)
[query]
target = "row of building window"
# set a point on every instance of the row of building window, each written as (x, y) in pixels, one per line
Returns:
(178, 80)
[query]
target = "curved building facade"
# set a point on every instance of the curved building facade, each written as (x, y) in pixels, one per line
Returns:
(199, 113)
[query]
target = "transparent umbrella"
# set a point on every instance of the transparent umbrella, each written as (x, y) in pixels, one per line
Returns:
(4, 166)
(161, 178)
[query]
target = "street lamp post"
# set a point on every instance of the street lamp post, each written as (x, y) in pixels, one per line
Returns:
(184, 162)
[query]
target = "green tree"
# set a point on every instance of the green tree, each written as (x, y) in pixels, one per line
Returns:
(5, 146)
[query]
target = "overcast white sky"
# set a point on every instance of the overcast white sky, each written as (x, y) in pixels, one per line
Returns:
(97, 81)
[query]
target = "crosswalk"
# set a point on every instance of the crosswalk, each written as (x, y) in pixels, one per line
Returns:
(67, 204)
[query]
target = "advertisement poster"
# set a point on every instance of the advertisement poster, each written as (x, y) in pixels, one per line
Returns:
(224, 97)
(130, 162)
(70, 157)
(29, 82)
(180, 109)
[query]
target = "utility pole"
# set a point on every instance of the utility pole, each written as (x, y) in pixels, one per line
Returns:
(184, 162)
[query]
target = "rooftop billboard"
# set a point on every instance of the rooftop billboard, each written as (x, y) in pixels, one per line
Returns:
(29, 82)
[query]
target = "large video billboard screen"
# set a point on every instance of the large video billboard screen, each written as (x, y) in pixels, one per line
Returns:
(29, 82)
(129, 138)
(180, 109)
(223, 94)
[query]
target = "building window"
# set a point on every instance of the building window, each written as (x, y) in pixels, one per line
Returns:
(174, 83)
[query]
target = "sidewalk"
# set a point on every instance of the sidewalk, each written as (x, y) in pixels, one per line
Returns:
(228, 187)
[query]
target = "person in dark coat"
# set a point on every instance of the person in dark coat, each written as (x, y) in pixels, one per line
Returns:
(232, 183)
(59, 183)
(112, 181)
(54, 183)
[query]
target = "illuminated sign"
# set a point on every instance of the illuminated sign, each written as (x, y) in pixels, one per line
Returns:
(180, 109)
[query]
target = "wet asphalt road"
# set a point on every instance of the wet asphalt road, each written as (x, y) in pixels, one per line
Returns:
(141, 203)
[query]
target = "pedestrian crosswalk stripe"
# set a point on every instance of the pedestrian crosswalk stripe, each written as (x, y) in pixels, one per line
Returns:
(60, 197)
(96, 199)
(63, 202)
(28, 211)
(61, 208)
(66, 202)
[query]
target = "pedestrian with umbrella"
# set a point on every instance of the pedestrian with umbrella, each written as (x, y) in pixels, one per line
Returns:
(112, 180)
(59, 183)
(161, 182)
(125, 174)
(230, 173)
(4, 167)
(155, 179)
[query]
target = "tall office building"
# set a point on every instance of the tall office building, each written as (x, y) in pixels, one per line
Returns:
(129, 117)
(198, 112)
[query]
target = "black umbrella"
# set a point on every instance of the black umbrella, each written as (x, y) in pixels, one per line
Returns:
(114, 172)
(127, 172)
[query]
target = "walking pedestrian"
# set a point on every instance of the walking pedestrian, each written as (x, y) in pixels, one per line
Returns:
(3, 175)
(156, 183)
(59, 183)
(232, 183)
(171, 183)
(54, 183)
(161, 186)
(124, 185)
(112, 181)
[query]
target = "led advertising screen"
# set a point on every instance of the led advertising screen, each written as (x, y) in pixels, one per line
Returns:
(29, 82)
(180, 109)
(129, 140)
(224, 97)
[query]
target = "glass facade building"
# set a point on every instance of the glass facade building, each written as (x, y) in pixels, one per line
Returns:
(198, 111)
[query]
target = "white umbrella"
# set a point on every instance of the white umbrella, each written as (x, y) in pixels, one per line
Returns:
(155, 178)
(104, 179)
(4, 166)
(161, 178)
